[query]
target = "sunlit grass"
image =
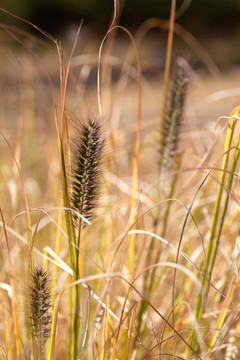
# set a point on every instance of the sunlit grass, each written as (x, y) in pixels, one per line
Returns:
(154, 273)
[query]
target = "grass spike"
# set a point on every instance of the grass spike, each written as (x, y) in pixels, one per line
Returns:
(173, 118)
(85, 185)
(86, 169)
(40, 305)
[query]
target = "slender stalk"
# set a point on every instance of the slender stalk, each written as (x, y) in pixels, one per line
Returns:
(168, 60)
(13, 298)
(214, 241)
(168, 150)
(163, 111)
(166, 216)
(85, 183)
(70, 323)
(68, 215)
(76, 325)
(149, 288)
(223, 315)
(236, 112)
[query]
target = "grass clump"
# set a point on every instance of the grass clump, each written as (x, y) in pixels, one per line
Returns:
(156, 274)
(85, 188)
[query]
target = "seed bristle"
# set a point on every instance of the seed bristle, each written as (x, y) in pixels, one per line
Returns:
(173, 118)
(40, 305)
(86, 169)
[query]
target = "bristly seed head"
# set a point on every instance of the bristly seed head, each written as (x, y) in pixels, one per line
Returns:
(86, 169)
(40, 304)
(173, 118)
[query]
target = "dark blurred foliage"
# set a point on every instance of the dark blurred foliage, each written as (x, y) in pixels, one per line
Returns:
(55, 16)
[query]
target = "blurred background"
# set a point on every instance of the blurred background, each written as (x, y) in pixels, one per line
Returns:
(207, 36)
(214, 22)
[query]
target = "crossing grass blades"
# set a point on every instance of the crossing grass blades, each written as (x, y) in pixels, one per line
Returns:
(105, 254)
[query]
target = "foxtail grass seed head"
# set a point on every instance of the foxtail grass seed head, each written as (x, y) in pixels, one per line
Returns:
(86, 169)
(40, 305)
(173, 118)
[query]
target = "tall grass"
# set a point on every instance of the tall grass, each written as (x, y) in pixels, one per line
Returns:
(112, 247)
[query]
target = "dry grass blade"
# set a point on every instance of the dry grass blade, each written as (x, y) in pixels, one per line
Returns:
(13, 298)
(168, 60)
(4, 355)
(135, 164)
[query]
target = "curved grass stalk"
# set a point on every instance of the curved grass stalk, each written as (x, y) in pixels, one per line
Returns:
(13, 298)
(162, 121)
(168, 150)
(223, 315)
(149, 289)
(133, 211)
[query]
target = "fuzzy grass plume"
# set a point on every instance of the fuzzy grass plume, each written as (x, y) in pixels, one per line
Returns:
(169, 138)
(85, 188)
(40, 305)
(86, 169)
(173, 118)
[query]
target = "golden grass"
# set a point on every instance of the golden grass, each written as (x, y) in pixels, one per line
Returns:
(131, 305)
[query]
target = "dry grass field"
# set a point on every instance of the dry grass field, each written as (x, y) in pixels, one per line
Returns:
(119, 195)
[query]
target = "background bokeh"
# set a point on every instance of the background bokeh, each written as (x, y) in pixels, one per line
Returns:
(202, 16)
(215, 23)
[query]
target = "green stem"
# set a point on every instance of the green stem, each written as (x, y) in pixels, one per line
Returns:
(68, 214)
(70, 323)
(212, 250)
(76, 323)
(230, 180)
(77, 301)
